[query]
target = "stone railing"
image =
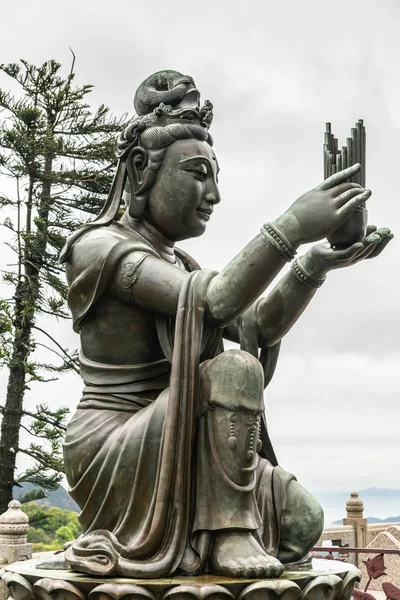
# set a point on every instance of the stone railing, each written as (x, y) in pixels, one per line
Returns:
(354, 531)
(345, 535)
(357, 533)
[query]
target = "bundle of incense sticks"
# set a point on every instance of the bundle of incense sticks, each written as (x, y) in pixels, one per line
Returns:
(353, 152)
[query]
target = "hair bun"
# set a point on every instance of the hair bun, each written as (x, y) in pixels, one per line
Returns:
(168, 87)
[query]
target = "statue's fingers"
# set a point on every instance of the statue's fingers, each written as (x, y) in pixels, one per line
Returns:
(344, 198)
(352, 203)
(371, 229)
(378, 236)
(380, 247)
(371, 243)
(368, 245)
(383, 232)
(366, 251)
(343, 187)
(339, 178)
(373, 238)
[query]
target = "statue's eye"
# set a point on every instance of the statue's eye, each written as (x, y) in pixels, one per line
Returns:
(201, 175)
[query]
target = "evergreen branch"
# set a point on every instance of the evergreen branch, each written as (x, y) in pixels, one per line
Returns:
(43, 436)
(47, 460)
(56, 343)
(32, 496)
(40, 477)
(28, 430)
(40, 379)
(46, 418)
(69, 365)
(60, 316)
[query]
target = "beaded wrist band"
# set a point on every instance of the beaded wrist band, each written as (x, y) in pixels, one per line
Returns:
(302, 275)
(277, 239)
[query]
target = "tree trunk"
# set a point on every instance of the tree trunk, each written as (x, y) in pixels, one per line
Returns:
(12, 412)
(26, 305)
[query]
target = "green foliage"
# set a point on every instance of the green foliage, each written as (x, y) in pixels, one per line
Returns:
(64, 534)
(53, 529)
(6, 331)
(39, 536)
(58, 156)
(61, 157)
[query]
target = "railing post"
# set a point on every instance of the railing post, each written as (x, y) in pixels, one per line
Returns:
(355, 518)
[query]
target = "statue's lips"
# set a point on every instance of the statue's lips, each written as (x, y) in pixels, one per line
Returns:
(205, 213)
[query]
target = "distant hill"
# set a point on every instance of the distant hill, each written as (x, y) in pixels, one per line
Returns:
(379, 492)
(371, 492)
(374, 520)
(60, 498)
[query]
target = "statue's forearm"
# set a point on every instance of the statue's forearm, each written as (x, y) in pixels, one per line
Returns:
(154, 284)
(242, 281)
(278, 312)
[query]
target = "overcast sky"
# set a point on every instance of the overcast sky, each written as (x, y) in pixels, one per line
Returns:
(275, 72)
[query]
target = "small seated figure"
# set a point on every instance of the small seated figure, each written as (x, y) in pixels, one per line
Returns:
(168, 454)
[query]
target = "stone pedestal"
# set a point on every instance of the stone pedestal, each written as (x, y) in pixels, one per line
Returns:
(14, 525)
(327, 580)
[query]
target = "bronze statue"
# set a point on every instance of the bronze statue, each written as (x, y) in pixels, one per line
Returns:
(168, 454)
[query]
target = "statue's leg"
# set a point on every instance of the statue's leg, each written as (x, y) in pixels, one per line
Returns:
(301, 524)
(231, 402)
(292, 519)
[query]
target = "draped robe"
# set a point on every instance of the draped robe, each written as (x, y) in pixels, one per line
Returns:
(129, 453)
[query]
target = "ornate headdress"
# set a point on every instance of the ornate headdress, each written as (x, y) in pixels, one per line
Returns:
(165, 99)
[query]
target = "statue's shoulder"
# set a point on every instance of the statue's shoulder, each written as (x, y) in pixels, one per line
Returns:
(91, 264)
(98, 251)
(109, 236)
(96, 244)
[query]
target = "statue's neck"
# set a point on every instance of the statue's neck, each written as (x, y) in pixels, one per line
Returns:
(163, 245)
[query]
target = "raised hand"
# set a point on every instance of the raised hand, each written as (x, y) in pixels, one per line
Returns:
(322, 210)
(322, 258)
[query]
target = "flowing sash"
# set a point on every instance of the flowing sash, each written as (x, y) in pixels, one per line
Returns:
(99, 552)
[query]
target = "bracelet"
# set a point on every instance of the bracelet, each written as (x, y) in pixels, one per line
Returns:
(277, 239)
(305, 277)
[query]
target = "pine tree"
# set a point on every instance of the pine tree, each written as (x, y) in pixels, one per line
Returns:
(57, 156)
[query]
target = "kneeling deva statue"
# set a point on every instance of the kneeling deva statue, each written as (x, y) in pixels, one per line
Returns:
(168, 454)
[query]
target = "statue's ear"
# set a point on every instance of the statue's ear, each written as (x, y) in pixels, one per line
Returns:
(136, 167)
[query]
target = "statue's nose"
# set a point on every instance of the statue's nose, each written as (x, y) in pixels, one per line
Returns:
(213, 195)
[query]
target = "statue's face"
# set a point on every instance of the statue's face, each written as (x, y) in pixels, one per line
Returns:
(183, 197)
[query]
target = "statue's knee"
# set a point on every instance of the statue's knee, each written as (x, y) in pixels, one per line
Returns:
(231, 402)
(233, 380)
(305, 509)
(302, 523)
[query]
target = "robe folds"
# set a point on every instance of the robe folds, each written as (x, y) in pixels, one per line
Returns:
(129, 451)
